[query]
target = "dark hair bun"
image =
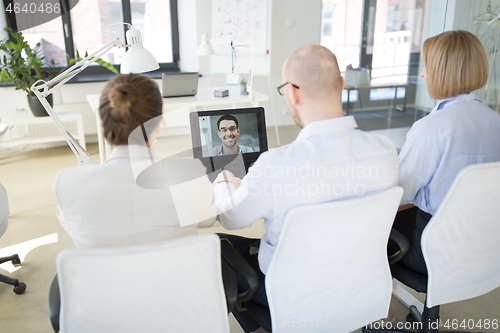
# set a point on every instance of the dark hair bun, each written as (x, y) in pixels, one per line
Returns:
(127, 102)
(121, 100)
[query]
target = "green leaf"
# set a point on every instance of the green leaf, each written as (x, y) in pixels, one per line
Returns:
(106, 65)
(99, 61)
(23, 72)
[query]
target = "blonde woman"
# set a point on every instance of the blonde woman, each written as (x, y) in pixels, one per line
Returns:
(459, 131)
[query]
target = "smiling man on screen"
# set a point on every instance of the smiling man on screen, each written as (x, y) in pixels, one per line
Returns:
(228, 130)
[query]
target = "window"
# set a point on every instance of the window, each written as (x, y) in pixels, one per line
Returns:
(394, 27)
(153, 19)
(51, 39)
(87, 30)
(327, 29)
(327, 21)
(341, 23)
(392, 18)
(82, 30)
(378, 34)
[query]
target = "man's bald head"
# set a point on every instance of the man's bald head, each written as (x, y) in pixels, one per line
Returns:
(315, 70)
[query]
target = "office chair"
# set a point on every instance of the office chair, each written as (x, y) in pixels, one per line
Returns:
(3, 130)
(173, 286)
(460, 246)
(321, 276)
(19, 287)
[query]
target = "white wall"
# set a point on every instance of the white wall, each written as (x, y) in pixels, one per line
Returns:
(295, 23)
(305, 16)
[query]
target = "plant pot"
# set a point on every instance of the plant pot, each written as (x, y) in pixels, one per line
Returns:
(37, 108)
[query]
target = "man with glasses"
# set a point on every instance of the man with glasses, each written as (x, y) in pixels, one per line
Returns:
(330, 159)
(228, 130)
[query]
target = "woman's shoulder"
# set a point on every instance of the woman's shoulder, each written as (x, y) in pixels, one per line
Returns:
(87, 174)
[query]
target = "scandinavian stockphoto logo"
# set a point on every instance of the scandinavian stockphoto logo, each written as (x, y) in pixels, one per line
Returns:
(25, 14)
(176, 172)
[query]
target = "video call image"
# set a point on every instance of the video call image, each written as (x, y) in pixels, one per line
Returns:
(229, 134)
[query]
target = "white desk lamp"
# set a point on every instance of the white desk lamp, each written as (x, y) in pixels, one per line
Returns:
(205, 49)
(136, 60)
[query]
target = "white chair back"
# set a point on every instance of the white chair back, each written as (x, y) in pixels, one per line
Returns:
(461, 243)
(174, 286)
(4, 210)
(330, 269)
(3, 130)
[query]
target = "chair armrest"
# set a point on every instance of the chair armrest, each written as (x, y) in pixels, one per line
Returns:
(260, 314)
(402, 244)
(230, 283)
(236, 261)
(54, 304)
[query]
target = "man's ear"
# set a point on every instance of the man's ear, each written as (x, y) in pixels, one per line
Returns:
(293, 95)
(342, 84)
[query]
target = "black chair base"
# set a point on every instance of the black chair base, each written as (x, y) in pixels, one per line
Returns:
(19, 287)
(54, 304)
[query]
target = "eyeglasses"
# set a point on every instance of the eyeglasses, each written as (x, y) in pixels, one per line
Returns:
(230, 129)
(280, 88)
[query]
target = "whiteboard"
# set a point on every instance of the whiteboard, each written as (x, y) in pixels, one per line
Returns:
(240, 21)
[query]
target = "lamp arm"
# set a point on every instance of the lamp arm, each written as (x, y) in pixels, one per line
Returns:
(68, 74)
(494, 20)
(42, 89)
(246, 46)
(221, 41)
(231, 43)
(81, 154)
(252, 66)
(252, 59)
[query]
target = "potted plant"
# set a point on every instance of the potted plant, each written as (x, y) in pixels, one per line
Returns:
(23, 66)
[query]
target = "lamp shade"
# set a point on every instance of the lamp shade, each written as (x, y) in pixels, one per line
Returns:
(137, 59)
(205, 49)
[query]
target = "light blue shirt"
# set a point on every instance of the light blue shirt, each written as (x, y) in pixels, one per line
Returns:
(330, 160)
(458, 132)
(217, 151)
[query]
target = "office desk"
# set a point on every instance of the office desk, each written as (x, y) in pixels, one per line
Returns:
(379, 86)
(204, 97)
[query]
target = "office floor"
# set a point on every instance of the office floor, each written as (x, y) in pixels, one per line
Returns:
(387, 119)
(28, 176)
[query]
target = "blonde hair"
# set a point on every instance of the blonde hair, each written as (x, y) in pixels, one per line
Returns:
(128, 101)
(455, 63)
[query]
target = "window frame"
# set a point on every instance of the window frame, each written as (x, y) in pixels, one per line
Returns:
(96, 73)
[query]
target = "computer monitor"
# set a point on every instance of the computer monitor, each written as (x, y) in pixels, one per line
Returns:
(217, 134)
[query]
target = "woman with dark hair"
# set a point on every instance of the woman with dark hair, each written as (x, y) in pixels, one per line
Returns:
(106, 205)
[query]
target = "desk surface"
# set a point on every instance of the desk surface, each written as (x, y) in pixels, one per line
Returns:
(205, 96)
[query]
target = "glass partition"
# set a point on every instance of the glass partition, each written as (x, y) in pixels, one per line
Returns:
(384, 36)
